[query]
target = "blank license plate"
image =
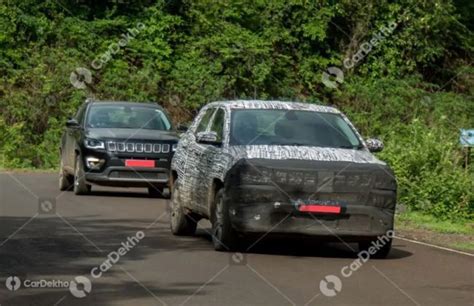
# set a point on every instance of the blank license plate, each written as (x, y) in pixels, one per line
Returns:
(140, 163)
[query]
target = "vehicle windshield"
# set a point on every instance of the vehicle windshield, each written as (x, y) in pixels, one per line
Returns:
(291, 127)
(127, 117)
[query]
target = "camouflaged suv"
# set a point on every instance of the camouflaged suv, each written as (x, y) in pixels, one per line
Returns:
(271, 167)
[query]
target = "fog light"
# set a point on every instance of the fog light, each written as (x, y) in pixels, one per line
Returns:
(94, 163)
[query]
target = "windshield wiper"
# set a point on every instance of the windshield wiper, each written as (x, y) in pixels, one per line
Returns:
(358, 147)
(274, 143)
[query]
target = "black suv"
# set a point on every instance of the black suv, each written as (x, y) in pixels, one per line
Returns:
(120, 144)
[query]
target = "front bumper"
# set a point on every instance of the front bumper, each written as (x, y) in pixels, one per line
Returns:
(263, 196)
(115, 173)
(118, 176)
(355, 221)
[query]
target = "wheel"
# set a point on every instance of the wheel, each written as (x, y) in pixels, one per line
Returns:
(158, 192)
(80, 186)
(224, 236)
(381, 253)
(65, 180)
(180, 223)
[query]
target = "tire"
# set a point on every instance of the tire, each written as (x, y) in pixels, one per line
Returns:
(65, 180)
(180, 223)
(224, 237)
(80, 186)
(158, 192)
(381, 253)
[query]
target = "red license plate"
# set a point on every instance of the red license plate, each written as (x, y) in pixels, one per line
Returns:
(140, 163)
(322, 209)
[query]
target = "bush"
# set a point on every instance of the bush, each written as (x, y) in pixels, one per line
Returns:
(421, 135)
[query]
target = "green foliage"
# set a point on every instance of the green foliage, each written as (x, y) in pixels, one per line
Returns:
(420, 131)
(413, 90)
(417, 220)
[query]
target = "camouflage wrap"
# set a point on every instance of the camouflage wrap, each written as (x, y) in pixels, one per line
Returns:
(257, 176)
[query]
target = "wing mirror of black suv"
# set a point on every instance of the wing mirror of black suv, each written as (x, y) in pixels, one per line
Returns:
(374, 145)
(72, 123)
(208, 138)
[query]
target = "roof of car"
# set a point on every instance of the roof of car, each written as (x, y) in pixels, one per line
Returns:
(147, 104)
(264, 104)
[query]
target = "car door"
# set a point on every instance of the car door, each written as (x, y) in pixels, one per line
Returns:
(211, 159)
(192, 160)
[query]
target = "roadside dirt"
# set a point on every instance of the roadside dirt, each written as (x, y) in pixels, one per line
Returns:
(461, 242)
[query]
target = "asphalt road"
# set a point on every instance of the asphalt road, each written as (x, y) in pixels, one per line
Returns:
(49, 235)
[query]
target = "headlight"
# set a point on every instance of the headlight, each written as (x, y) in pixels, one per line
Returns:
(385, 180)
(254, 175)
(94, 144)
(386, 200)
(260, 195)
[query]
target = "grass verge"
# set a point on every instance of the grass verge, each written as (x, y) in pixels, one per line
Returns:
(417, 226)
(28, 170)
(421, 221)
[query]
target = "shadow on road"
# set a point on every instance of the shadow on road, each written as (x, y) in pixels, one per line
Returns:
(48, 248)
(303, 247)
(131, 194)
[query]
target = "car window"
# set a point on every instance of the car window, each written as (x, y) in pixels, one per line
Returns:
(218, 123)
(294, 127)
(205, 120)
(80, 114)
(127, 117)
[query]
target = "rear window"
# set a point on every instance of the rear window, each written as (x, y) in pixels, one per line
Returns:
(127, 117)
(291, 127)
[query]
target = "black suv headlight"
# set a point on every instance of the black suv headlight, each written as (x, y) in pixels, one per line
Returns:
(94, 144)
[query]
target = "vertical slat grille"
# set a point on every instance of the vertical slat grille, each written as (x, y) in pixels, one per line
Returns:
(131, 147)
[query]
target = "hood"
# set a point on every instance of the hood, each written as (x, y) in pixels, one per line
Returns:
(132, 134)
(342, 176)
(303, 153)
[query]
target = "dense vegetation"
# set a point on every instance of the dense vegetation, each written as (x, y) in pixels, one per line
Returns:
(413, 89)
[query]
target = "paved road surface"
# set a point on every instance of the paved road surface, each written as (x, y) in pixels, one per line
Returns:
(67, 236)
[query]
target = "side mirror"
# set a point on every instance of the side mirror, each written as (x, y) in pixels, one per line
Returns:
(208, 138)
(72, 123)
(182, 127)
(374, 145)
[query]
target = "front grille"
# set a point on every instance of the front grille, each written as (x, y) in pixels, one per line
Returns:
(345, 183)
(323, 180)
(137, 147)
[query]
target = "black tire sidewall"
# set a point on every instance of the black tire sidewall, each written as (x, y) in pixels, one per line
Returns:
(80, 186)
(156, 192)
(64, 181)
(183, 224)
(174, 226)
(224, 237)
